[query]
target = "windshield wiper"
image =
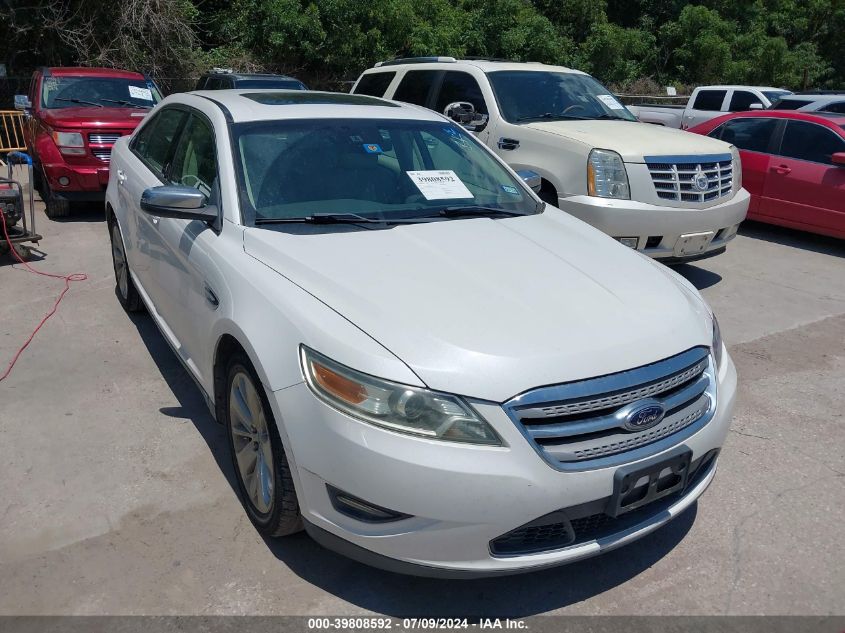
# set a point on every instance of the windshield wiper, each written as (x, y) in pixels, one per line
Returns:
(127, 103)
(335, 218)
(548, 116)
(99, 105)
(476, 210)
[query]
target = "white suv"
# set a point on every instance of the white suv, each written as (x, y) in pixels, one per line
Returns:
(415, 359)
(672, 195)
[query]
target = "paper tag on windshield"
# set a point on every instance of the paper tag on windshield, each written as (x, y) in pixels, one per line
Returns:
(140, 93)
(439, 185)
(610, 101)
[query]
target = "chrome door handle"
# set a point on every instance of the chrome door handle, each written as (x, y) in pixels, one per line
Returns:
(121, 177)
(507, 143)
(782, 169)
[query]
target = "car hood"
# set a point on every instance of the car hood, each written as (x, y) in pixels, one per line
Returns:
(632, 139)
(489, 308)
(91, 117)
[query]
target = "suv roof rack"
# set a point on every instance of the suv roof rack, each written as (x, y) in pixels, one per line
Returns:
(485, 58)
(415, 60)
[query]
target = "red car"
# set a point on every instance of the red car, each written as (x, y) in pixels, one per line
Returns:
(74, 116)
(793, 165)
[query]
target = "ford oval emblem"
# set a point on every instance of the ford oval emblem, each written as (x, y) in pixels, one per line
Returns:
(644, 416)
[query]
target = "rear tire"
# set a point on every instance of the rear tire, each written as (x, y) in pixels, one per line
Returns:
(265, 482)
(125, 290)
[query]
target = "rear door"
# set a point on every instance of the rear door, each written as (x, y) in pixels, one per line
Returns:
(754, 138)
(705, 105)
(803, 187)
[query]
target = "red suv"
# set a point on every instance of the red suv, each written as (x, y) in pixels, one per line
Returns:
(74, 117)
(793, 165)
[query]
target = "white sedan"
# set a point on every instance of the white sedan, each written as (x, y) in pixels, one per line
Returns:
(416, 359)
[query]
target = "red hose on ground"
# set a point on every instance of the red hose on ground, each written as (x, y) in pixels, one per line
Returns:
(67, 279)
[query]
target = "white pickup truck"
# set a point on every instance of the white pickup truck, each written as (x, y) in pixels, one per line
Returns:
(671, 195)
(708, 102)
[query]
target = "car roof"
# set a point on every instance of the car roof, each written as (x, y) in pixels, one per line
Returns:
(741, 87)
(816, 98)
(80, 71)
(836, 118)
(259, 76)
(486, 65)
(269, 105)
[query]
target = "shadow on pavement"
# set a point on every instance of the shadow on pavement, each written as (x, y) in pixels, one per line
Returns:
(793, 237)
(701, 278)
(83, 212)
(406, 596)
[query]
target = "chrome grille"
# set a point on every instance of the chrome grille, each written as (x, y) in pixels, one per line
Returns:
(691, 179)
(103, 138)
(582, 424)
(104, 153)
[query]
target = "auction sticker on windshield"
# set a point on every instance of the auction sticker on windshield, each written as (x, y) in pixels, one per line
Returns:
(610, 101)
(439, 184)
(140, 93)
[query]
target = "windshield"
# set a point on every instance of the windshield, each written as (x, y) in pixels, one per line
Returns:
(70, 92)
(525, 96)
(774, 95)
(378, 169)
(278, 84)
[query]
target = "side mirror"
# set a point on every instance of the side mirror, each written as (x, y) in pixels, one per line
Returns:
(22, 102)
(756, 106)
(838, 158)
(178, 202)
(463, 112)
(531, 178)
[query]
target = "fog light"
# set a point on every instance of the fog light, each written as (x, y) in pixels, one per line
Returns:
(64, 181)
(630, 242)
(357, 508)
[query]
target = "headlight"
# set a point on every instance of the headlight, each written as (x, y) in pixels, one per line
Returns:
(717, 343)
(70, 143)
(737, 168)
(606, 175)
(394, 406)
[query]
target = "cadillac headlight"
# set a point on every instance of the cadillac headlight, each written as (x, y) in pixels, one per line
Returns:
(736, 163)
(716, 346)
(606, 175)
(394, 406)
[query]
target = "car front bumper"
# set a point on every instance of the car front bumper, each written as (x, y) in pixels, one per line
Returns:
(84, 182)
(459, 497)
(658, 229)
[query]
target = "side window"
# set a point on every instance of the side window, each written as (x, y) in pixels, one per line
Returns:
(788, 104)
(201, 83)
(154, 142)
(415, 86)
(749, 134)
(811, 142)
(834, 107)
(195, 159)
(709, 100)
(742, 100)
(374, 84)
(214, 83)
(460, 86)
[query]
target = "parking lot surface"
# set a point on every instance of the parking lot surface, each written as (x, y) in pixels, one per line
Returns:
(118, 495)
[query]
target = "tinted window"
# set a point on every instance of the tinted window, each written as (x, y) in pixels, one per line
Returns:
(741, 100)
(194, 161)
(709, 100)
(458, 86)
(788, 104)
(215, 83)
(154, 141)
(748, 134)
(374, 84)
(808, 141)
(835, 107)
(415, 86)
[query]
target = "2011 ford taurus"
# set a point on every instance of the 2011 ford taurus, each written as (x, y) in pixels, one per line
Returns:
(415, 358)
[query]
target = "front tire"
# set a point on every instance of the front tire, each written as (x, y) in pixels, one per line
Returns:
(54, 207)
(265, 482)
(125, 290)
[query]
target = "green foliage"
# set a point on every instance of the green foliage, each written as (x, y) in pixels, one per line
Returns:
(774, 42)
